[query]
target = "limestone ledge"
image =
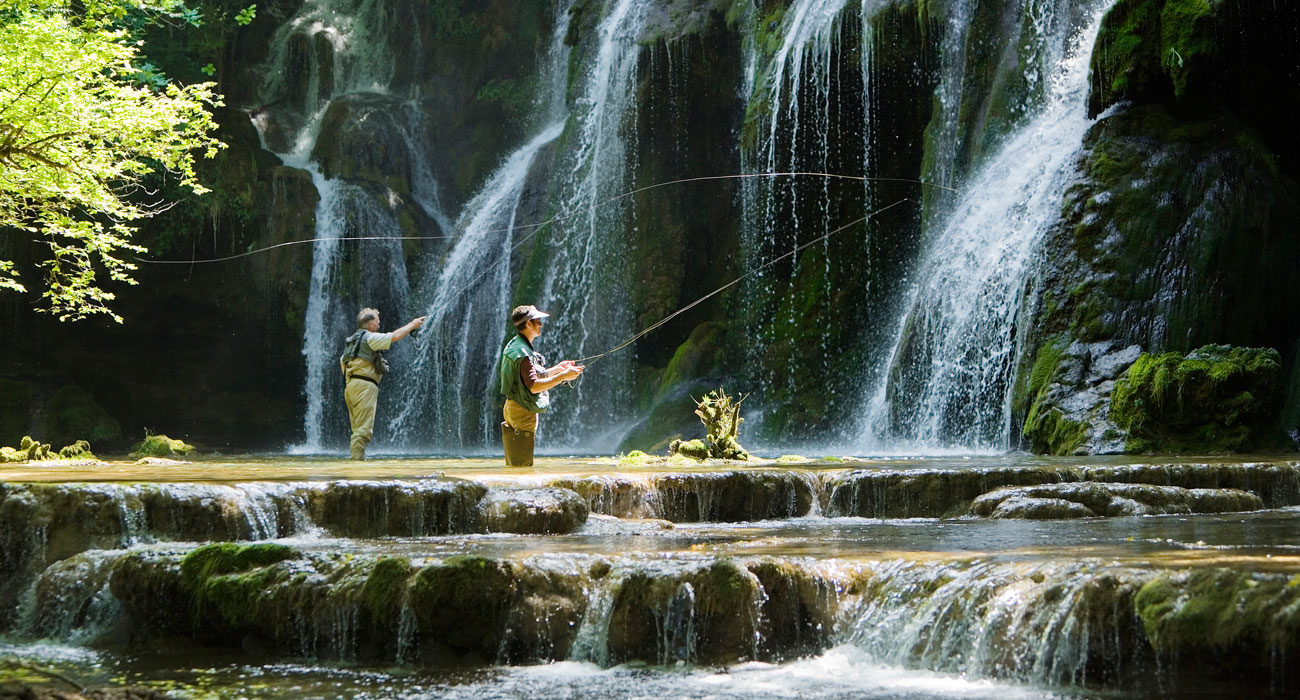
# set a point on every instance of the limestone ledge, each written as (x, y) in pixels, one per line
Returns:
(272, 601)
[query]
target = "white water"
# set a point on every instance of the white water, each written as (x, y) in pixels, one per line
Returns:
(792, 142)
(582, 286)
(358, 62)
(946, 383)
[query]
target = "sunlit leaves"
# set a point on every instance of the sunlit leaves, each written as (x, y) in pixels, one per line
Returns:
(82, 122)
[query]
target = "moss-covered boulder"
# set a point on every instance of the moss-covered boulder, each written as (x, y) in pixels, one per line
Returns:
(1172, 223)
(476, 610)
(1220, 622)
(161, 446)
(1214, 399)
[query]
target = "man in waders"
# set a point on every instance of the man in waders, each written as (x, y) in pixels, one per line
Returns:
(524, 381)
(363, 366)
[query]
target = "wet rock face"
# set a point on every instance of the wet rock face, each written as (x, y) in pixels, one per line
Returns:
(1089, 499)
(534, 511)
(737, 496)
(919, 493)
(427, 507)
(1210, 622)
(705, 616)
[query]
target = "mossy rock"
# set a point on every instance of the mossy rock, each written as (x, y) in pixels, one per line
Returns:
(1215, 399)
(161, 446)
(227, 582)
(480, 590)
(699, 616)
(79, 450)
(1221, 617)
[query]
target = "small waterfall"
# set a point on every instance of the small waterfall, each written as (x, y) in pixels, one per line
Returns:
(333, 55)
(946, 383)
(70, 601)
(1044, 624)
(807, 129)
(450, 399)
(582, 286)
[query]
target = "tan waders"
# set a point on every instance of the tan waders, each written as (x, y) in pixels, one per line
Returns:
(518, 433)
(361, 396)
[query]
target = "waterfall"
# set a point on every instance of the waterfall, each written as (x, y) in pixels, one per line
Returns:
(582, 286)
(945, 383)
(1039, 623)
(449, 398)
(333, 55)
(798, 89)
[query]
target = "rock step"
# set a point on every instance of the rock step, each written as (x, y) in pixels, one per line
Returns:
(1058, 623)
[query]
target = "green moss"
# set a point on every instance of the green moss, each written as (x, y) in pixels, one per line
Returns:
(1050, 432)
(481, 589)
(160, 446)
(695, 449)
(227, 557)
(381, 596)
(227, 580)
(77, 450)
(1219, 610)
(1216, 399)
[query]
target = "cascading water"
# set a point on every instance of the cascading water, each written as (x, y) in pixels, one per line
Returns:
(450, 398)
(797, 88)
(946, 386)
(581, 286)
(333, 54)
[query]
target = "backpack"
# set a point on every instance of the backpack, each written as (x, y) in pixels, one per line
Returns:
(354, 347)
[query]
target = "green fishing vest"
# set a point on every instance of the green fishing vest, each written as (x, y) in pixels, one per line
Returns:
(512, 385)
(355, 346)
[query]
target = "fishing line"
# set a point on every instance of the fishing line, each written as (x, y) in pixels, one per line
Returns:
(537, 227)
(773, 261)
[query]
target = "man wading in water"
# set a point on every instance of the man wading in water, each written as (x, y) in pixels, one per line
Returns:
(524, 381)
(363, 365)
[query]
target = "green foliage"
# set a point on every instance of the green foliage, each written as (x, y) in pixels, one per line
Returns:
(1215, 399)
(82, 123)
(720, 414)
(245, 16)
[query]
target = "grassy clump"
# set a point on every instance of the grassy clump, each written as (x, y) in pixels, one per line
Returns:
(161, 446)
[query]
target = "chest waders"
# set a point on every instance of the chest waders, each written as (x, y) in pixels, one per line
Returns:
(518, 444)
